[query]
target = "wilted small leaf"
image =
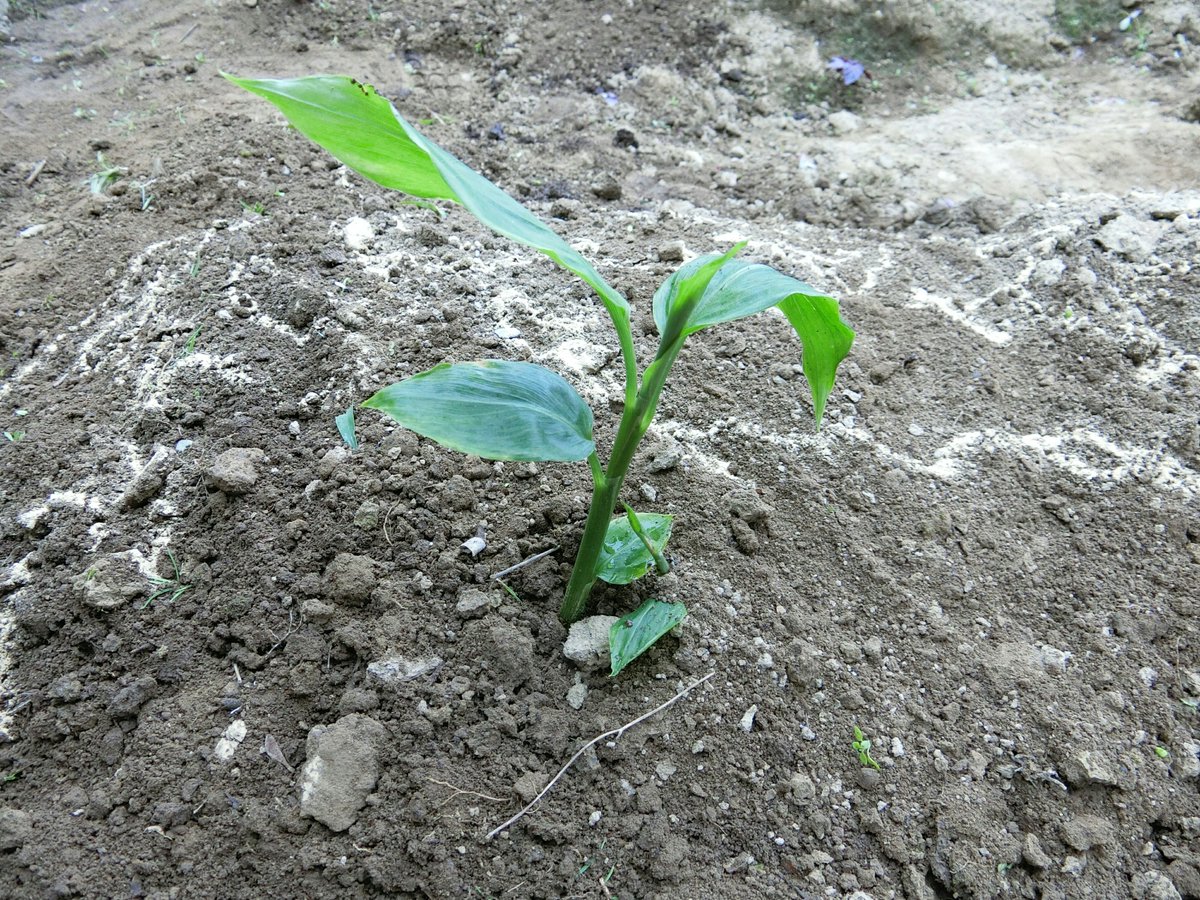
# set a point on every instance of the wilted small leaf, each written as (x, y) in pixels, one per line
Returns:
(632, 635)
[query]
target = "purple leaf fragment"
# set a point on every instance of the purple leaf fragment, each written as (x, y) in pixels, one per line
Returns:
(851, 70)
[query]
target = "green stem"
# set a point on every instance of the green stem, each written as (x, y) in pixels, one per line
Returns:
(660, 561)
(634, 423)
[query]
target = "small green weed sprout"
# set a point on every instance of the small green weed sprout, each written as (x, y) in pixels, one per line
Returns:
(99, 181)
(862, 746)
(168, 589)
(505, 410)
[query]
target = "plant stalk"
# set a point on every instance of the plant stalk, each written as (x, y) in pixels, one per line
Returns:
(635, 421)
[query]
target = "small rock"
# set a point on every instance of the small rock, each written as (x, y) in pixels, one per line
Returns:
(341, 769)
(594, 818)
(401, 668)
(147, 483)
(607, 188)
(358, 233)
(366, 516)
(331, 460)
(1073, 865)
(1188, 762)
(587, 642)
(1153, 886)
(16, 828)
(1086, 831)
(111, 582)
(873, 648)
(664, 770)
(126, 703)
(530, 785)
(170, 815)
(843, 122)
(1033, 854)
(739, 863)
(349, 579)
(665, 459)
(1090, 767)
(1130, 237)
(233, 471)
(801, 787)
(229, 741)
(747, 720)
(316, 611)
(672, 251)
(1185, 877)
(473, 603)
(868, 778)
(576, 695)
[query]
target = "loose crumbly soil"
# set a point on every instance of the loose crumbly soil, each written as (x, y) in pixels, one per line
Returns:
(988, 559)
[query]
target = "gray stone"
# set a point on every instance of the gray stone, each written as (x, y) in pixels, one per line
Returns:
(1090, 767)
(530, 785)
(607, 188)
(126, 703)
(15, 828)
(1087, 831)
(587, 642)
(111, 582)
(147, 483)
(672, 251)
(868, 778)
(843, 122)
(473, 603)
(576, 695)
(402, 668)
(1153, 886)
(341, 769)
(349, 579)
(1033, 854)
(234, 470)
(801, 788)
(1130, 237)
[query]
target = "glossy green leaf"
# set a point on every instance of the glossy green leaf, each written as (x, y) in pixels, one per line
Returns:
(345, 427)
(624, 556)
(634, 634)
(364, 131)
(685, 286)
(494, 409)
(739, 289)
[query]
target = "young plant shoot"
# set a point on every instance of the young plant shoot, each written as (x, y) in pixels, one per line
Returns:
(506, 410)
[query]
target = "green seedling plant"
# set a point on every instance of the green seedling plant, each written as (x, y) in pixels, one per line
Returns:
(862, 746)
(505, 410)
(168, 589)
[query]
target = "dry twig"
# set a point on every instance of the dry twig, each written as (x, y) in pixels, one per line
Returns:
(523, 563)
(616, 734)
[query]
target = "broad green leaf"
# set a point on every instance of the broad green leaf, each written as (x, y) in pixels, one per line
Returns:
(494, 409)
(739, 289)
(624, 557)
(685, 285)
(345, 427)
(634, 634)
(364, 131)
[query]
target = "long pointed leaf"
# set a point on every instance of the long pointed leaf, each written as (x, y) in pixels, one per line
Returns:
(363, 130)
(495, 409)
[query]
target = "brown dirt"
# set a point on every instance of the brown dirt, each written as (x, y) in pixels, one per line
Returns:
(987, 560)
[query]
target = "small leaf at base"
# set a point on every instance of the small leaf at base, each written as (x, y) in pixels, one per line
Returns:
(624, 556)
(634, 634)
(345, 427)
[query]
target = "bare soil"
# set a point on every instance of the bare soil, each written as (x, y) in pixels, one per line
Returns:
(988, 559)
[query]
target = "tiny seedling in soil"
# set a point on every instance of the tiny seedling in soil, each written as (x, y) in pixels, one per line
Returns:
(14, 436)
(100, 180)
(504, 410)
(863, 747)
(168, 589)
(345, 427)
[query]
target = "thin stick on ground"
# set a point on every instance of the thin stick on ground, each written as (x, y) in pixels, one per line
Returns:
(523, 563)
(459, 792)
(616, 733)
